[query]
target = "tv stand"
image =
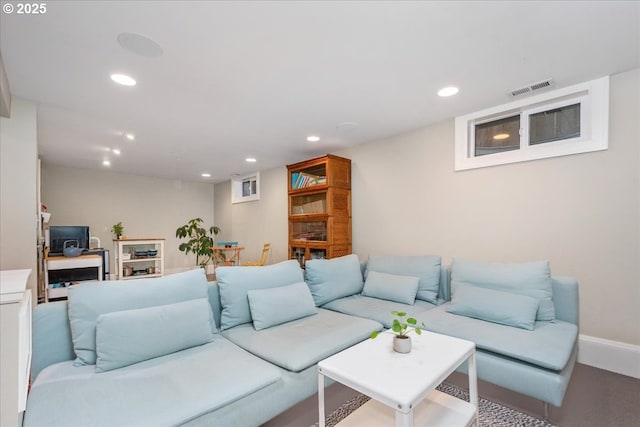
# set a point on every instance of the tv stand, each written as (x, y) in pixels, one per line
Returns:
(62, 272)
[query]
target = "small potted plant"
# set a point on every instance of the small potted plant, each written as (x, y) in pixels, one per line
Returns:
(117, 229)
(401, 329)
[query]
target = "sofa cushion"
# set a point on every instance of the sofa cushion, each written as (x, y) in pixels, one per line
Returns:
(301, 343)
(527, 278)
(131, 336)
(334, 278)
(165, 391)
(427, 268)
(270, 307)
(375, 308)
(494, 306)
(549, 345)
(235, 282)
(89, 300)
(392, 287)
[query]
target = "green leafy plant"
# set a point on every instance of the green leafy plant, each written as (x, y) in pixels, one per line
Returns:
(117, 229)
(200, 240)
(400, 327)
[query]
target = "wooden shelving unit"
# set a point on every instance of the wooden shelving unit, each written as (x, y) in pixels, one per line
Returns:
(319, 208)
(128, 256)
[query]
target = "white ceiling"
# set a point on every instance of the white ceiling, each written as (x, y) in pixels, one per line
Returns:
(253, 79)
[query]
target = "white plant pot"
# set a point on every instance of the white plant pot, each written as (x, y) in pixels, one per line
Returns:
(402, 344)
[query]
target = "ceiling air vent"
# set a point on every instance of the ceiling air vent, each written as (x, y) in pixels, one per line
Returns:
(532, 87)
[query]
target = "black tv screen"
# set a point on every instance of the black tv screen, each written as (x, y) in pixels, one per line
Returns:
(58, 234)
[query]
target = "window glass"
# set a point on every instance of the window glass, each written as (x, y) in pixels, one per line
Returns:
(249, 187)
(246, 188)
(554, 125)
(497, 136)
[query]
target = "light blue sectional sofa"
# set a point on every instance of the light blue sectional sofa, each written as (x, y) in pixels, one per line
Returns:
(177, 350)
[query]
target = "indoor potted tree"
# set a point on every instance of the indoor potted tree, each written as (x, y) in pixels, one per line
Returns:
(200, 240)
(401, 339)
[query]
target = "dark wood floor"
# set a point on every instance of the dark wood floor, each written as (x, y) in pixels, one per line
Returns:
(595, 398)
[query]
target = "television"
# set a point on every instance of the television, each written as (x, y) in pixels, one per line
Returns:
(58, 234)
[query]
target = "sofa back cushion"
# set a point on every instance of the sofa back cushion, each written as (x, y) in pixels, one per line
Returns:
(270, 307)
(330, 279)
(88, 301)
(426, 268)
(494, 306)
(131, 336)
(528, 278)
(235, 282)
(391, 287)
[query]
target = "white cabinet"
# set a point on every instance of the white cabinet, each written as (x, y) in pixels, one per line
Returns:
(136, 258)
(62, 272)
(15, 345)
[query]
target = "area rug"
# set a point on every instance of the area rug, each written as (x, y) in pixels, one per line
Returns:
(491, 414)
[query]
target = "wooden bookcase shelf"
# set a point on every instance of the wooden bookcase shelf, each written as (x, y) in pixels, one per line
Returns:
(319, 208)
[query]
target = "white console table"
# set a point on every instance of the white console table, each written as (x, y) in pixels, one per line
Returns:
(15, 345)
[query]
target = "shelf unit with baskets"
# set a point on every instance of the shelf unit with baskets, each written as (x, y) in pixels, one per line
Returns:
(137, 258)
(319, 208)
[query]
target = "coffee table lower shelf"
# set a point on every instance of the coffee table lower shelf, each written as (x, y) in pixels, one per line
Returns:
(437, 409)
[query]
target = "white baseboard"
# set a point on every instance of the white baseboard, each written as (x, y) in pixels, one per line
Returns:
(613, 356)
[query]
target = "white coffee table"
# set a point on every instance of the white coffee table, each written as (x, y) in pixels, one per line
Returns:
(404, 383)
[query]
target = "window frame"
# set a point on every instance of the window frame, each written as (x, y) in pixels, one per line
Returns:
(236, 188)
(593, 97)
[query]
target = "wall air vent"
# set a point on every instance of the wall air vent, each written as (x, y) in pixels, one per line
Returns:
(532, 87)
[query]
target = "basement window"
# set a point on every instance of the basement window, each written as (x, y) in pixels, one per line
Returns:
(562, 122)
(245, 188)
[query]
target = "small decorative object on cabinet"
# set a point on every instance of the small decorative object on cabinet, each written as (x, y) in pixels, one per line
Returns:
(137, 258)
(117, 229)
(319, 208)
(15, 342)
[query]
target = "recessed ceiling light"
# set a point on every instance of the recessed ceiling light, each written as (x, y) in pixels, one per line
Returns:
(448, 91)
(106, 163)
(139, 44)
(123, 79)
(501, 136)
(250, 160)
(116, 151)
(206, 175)
(313, 138)
(130, 136)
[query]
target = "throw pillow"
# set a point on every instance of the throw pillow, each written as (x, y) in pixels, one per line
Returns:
(528, 278)
(270, 307)
(330, 279)
(391, 287)
(131, 336)
(235, 282)
(494, 306)
(88, 301)
(426, 268)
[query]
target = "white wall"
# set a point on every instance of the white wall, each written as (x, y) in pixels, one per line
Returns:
(18, 206)
(581, 212)
(147, 206)
(253, 224)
